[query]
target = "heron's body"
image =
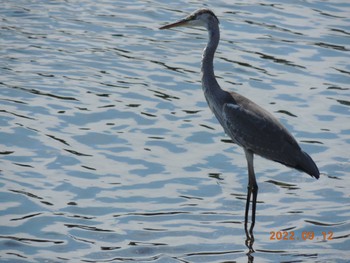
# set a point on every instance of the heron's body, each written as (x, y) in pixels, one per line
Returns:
(248, 125)
(258, 131)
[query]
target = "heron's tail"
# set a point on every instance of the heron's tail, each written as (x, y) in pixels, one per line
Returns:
(307, 165)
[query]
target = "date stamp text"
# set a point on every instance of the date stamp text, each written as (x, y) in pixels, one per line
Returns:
(305, 235)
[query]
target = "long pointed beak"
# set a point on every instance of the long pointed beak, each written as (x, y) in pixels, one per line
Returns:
(182, 22)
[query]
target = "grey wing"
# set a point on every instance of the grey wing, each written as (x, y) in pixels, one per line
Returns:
(253, 128)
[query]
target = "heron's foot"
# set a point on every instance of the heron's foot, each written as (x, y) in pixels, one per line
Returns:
(249, 242)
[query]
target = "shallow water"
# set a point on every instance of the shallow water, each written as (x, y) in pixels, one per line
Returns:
(110, 153)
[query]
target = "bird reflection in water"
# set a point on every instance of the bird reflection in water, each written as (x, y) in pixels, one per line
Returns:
(248, 125)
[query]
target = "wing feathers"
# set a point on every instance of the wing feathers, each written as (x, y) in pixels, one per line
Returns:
(253, 128)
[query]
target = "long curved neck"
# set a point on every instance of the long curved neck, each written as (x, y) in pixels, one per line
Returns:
(208, 77)
(214, 95)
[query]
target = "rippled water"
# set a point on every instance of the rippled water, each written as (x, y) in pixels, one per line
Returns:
(110, 153)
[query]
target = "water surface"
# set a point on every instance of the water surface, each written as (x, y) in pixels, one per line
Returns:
(109, 152)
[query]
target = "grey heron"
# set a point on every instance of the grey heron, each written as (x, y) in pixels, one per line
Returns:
(249, 125)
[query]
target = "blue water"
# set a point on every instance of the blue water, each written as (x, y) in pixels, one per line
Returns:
(109, 152)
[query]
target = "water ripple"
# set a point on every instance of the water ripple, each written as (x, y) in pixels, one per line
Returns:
(109, 152)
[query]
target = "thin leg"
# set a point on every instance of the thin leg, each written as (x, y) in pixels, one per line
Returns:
(251, 191)
(249, 240)
(255, 196)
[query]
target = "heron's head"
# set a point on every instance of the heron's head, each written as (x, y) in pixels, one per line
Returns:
(201, 17)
